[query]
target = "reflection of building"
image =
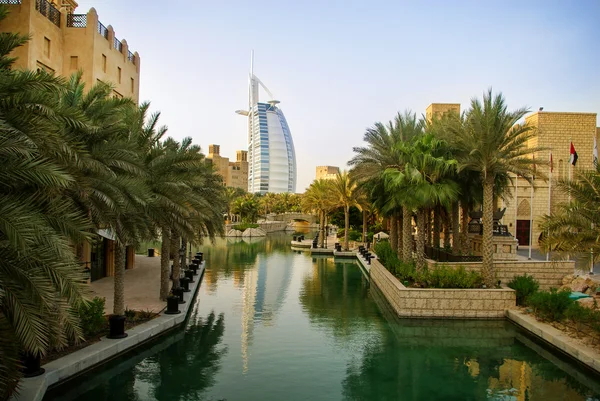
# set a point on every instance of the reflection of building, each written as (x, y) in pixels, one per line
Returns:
(327, 172)
(63, 42)
(235, 174)
(271, 154)
(265, 288)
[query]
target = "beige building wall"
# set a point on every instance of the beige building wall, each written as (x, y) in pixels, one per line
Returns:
(438, 109)
(63, 42)
(555, 131)
(327, 172)
(234, 174)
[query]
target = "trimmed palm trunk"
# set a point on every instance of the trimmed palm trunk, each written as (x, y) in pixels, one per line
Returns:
(487, 246)
(464, 229)
(394, 232)
(322, 228)
(364, 226)
(446, 225)
(421, 227)
(455, 229)
(428, 224)
(176, 261)
(399, 250)
(407, 234)
(436, 226)
(346, 226)
(164, 263)
(119, 294)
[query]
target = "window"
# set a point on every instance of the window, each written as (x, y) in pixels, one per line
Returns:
(103, 63)
(119, 74)
(74, 62)
(132, 85)
(46, 47)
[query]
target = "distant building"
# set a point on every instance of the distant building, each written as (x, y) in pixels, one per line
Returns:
(327, 172)
(438, 109)
(62, 42)
(235, 174)
(271, 154)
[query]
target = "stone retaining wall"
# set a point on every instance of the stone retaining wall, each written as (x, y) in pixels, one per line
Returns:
(548, 274)
(440, 303)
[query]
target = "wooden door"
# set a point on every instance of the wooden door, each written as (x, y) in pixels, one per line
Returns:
(523, 227)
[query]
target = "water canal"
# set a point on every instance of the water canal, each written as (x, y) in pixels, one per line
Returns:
(273, 324)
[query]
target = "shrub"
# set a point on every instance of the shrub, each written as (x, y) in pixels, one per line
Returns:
(355, 235)
(91, 317)
(130, 315)
(550, 305)
(447, 277)
(524, 287)
(244, 226)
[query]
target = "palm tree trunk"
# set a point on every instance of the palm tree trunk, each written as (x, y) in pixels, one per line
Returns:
(436, 226)
(464, 229)
(164, 263)
(455, 229)
(346, 226)
(421, 227)
(399, 249)
(176, 261)
(428, 227)
(446, 225)
(322, 227)
(119, 294)
(406, 234)
(394, 232)
(487, 243)
(364, 236)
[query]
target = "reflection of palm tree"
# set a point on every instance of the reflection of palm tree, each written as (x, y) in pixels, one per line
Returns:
(197, 354)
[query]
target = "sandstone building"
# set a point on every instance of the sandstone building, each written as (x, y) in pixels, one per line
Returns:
(235, 174)
(63, 42)
(327, 172)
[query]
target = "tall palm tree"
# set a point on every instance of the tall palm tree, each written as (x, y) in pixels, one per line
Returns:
(492, 144)
(344, 194)
(317, 198)
(574, 228)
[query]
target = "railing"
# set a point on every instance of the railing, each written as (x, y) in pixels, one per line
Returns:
(10, 2)
(118, 45)
(76, 20)
(102, 30)
(49, 11)
(131, 57)
(442, 255)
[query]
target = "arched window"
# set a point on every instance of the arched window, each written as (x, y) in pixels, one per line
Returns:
(524, 208)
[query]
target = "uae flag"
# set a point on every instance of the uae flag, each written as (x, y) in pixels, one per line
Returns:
(573, 159)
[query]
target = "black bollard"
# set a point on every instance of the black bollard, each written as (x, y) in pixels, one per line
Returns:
(369, 260)
(184, 282)
(116, 327)
(178, 292)
(32, 365)
(172, 305)
(190, 275)
(193, 268)
(200, 256)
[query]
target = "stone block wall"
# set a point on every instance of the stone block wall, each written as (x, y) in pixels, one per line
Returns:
(548, 274)
(440, 303)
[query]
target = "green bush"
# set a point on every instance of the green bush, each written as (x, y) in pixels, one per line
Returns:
(447, 277)
(524, 286)
(244, 226)
(550, 305)
(355, 235)
(91, 317)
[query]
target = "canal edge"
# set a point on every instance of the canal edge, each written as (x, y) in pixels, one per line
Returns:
(95, 355)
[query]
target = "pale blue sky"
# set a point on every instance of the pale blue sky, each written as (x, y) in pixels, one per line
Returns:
(339, 66)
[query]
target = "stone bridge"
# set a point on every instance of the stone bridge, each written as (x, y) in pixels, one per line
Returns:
(292, 216)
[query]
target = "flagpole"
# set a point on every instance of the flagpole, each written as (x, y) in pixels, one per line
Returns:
(549, 202)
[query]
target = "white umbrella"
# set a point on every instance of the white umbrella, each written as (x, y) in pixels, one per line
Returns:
(381, 235)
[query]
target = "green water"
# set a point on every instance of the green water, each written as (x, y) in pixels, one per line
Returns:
(273, 324)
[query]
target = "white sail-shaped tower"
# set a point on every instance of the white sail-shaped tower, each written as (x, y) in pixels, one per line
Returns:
(271, 155)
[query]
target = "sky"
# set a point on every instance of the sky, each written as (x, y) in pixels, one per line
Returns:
(340, 66)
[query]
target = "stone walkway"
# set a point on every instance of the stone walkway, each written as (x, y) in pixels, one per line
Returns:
(142, 286)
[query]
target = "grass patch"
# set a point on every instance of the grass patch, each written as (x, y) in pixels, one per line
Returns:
(244, 226)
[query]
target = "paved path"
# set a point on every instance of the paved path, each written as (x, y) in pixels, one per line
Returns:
(581, 266)
(142, 286)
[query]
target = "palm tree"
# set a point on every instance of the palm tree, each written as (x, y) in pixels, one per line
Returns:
(344, 194)
(491, 143)
(575, 227)
(427, 175)
(317, 198)
(372, 160)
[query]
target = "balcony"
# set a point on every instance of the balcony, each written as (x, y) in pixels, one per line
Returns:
(48, 10)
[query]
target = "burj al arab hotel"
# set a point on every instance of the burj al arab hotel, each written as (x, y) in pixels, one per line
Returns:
(271, 155)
